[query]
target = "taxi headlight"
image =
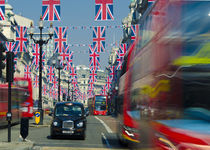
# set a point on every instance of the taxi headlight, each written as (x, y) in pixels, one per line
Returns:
(55, 123)
(80, 124)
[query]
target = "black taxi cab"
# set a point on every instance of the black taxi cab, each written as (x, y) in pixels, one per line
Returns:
(69, 118)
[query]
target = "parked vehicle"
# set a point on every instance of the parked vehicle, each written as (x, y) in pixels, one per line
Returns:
(68, 119)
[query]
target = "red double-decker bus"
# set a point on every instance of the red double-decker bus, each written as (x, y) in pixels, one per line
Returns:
(21, 100)
(27, 100)
(100, 105)
(164, 88)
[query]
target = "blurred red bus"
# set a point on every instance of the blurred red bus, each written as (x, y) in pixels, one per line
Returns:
(100, 105)
(22, 103)
(27, 100)
(164, 89)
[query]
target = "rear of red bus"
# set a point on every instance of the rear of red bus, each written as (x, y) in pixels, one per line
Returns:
(100, 105)
(26, 100)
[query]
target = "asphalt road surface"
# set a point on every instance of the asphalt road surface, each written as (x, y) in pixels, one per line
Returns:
(97, 137)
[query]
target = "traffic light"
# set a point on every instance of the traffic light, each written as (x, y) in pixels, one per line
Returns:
(10, 67)
(2, 58)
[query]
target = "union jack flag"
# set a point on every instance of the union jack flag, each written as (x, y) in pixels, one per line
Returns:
(122, 50)
(35, 53)
(119, 62)
(51, 10)
(21, 39)
(99, 38)
(10, 47)
(74, 82)
(65, 52)
(60, 37)
(44, 90)
(69, 62)
(93, 75)
(50, 74)
(134, 32)
(94, 58)
(36, 81)
(55, 94)
(36, 57)
(103, 10)
(103, 90)
(91, 84)
(27, 71)
(2, 9)
(55, 82)
(73, 72)
(51, 91)
(108, 82)
(112, 72)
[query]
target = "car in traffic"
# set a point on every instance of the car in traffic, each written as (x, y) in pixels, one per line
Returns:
(69, 118)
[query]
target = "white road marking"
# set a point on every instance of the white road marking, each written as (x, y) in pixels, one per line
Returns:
(107, 142)
(104, 124)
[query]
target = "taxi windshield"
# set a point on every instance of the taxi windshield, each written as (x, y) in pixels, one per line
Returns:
(68, 110)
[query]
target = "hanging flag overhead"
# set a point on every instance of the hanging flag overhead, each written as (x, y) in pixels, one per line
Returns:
(50, 74)
(51, 92)
(103, 10)
(122, 49)
(93, 75)
(74, 83)
(68, 65)
(27, 71)
(103, 90)
(10, 47)
(60, 38)
(51, 10)
(21, 39)
(112, 72)
(91, 84)
(73, 73)
(119, 62)
(108, 83)
(94, 57)
(35, 52)
(65, 54)
(99, 38)
(134, 32)
(2, 10)
(36, 81)
(44, 90)
(55, 82)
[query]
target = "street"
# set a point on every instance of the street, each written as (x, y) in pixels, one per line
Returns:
(97, 136)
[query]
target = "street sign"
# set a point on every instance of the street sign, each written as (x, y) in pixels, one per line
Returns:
(37, 117)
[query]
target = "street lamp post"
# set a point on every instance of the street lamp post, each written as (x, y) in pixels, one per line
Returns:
(59, 67)
(41, 42)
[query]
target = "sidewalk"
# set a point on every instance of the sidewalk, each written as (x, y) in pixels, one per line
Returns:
(17, 142)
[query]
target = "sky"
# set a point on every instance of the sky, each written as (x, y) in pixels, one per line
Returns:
(78, 13)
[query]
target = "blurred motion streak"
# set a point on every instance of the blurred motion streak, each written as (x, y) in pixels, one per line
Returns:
(164, 84)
